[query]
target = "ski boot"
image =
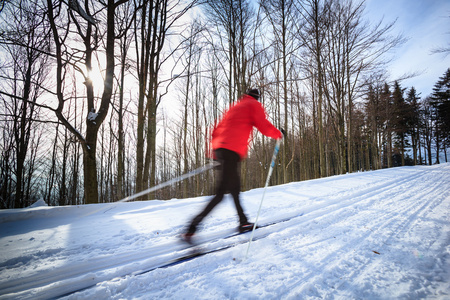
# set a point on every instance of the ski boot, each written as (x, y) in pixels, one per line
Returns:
(187, 238)
(246, 227)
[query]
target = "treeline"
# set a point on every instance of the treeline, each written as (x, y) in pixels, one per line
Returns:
(170, 68)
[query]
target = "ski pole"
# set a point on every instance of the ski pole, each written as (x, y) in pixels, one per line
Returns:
(172, 181)
(272, 165)
(164, 184)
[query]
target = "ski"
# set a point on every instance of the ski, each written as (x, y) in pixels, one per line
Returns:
(191, 252)
(199, 249)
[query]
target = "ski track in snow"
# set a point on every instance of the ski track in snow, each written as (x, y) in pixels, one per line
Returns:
(372, 235)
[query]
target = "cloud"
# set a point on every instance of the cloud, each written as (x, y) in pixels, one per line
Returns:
(426, 24)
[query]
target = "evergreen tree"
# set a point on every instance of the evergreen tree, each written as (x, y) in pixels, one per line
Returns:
(374, 121)
(427, 127)
(399, 122)
(441, 101)
(386, 119)
(412, 100)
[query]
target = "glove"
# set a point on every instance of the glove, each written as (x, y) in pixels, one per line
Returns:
(283, 132)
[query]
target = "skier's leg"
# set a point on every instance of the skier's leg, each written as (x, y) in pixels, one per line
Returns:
(234, 184)
(240, 210)
(214, 201)
(220, 192)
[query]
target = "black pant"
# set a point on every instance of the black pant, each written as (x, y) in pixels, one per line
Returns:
(229, 182)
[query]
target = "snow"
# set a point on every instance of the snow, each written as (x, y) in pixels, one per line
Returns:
(372, 235)
(92, 116)
(38, 203)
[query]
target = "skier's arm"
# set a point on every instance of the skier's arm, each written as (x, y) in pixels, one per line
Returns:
(263, 125)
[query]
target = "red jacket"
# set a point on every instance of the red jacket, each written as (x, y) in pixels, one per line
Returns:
(233, 131)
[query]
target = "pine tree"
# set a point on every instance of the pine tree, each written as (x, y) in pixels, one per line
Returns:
(441, 101)
(400, 121)
(386, 119)
(412, 100)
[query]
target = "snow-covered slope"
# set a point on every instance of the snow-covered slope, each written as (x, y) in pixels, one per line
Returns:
(374, 235)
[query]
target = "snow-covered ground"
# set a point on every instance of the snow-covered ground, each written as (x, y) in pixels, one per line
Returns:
(374, 235)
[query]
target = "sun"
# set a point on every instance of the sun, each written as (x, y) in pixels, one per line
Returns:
(96, 76)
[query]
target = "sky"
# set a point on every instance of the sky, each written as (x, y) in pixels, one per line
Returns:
(426, 25)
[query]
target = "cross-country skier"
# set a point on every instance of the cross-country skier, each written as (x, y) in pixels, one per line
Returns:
(230, 139)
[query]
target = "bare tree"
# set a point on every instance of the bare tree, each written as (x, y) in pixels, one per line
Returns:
(352, 48)
(314, 13)
(283, 17)
(81, 61)
(153, 23)
(25, 40)
(126, 14)
(443, 49)
(233, 21)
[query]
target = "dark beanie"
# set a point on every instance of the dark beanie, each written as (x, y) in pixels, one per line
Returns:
(254, 93)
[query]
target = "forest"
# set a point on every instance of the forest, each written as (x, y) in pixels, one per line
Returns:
(101, 99)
